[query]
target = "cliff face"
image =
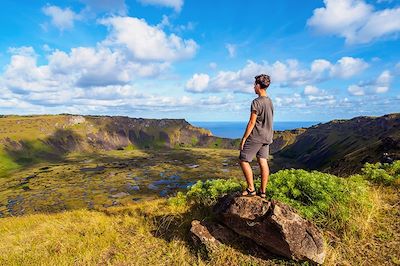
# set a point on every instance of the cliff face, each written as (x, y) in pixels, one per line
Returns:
(339, 146)
(343, 146)
(65, 133)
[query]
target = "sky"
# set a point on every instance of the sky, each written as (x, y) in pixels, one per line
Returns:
(330, 59)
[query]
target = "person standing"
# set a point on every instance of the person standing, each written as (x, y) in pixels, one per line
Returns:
(258, 136)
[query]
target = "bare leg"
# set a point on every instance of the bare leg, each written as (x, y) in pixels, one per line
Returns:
(248, 174)
(264, 168)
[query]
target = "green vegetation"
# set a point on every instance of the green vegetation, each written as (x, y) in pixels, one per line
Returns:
(359, 220)
(130, 147)
(194, 141)
(206, 192)
(326, 199)
(216, 144)
(6, 164)
(387, 174)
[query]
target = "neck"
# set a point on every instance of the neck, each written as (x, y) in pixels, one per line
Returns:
(262, 93)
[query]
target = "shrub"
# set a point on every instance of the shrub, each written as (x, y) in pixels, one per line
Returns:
(206, 193)
(326, 199)
(387, 174)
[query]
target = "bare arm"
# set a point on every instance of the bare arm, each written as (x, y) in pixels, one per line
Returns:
(249, 128)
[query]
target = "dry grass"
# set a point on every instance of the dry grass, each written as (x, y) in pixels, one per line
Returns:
(153, 232)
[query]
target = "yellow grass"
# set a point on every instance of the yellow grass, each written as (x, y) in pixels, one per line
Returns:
(154, 233)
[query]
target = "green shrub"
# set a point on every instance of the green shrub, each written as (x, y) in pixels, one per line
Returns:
(326, 199)
(206, 193)
(387, 174)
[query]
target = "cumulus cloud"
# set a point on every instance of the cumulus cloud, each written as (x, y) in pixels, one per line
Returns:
(96, 78)
(356, 90)
(61, 18)
(198, 82)
(347, 67)
(380, 85)
(287, 73)
(117, 60)
(355, 20)
(311, 90)
(153, 43)
(175, 4)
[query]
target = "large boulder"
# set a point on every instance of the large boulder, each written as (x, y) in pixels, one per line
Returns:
(210, 235)
(272, 225)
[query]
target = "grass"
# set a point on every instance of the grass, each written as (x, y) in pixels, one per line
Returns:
(155, 232)
(6, 164)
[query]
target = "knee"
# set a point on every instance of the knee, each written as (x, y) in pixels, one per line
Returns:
(262, 161)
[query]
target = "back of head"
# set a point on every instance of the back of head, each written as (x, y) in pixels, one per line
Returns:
(264, 80)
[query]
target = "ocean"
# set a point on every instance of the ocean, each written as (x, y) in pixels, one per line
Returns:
(236, 129)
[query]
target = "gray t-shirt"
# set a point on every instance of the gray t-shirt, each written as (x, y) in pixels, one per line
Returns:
(262, 131)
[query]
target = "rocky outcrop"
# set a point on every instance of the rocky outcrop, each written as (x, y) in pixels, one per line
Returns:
(272, 225)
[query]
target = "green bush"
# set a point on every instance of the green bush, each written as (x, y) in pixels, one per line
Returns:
(387, 174)
(326, 199)
(206, 193)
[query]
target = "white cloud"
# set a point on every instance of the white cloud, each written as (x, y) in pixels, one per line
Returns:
(347, 67)
(290, 101)
(311, 90)
(166, 23)
(61, 18)
(175, 4)
(231, 49)
(93, 78)
(380, 85)
(320, 66)
(198, 82)
(287, 73)
(146, 42)
(355, 20)
(322, 100)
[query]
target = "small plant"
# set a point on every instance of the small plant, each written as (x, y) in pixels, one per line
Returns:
(387, 174)
(130, 147)
(206, 193)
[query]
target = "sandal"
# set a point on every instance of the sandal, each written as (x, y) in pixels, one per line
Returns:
(263, 195)
(249, 193)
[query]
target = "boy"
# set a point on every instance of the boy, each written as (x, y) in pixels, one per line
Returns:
(258, 136)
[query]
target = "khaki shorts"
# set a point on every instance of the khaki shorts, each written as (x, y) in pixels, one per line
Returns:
(251, 149)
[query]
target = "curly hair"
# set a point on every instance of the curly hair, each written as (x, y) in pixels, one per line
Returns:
(263, 79)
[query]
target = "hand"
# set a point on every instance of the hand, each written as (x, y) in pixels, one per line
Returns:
(242, 144)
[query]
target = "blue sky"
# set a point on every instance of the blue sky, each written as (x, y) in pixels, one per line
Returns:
(197, 60)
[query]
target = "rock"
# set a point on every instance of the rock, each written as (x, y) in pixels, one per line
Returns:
(120, 195)
(273, 225)
(202, 236)
(212, 234)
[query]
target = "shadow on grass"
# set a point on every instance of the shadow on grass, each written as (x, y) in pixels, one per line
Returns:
(51, 149)
(169, 227)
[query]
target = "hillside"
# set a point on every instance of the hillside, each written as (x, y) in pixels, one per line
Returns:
(26, 140)
(342, 146)
(339, 146)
